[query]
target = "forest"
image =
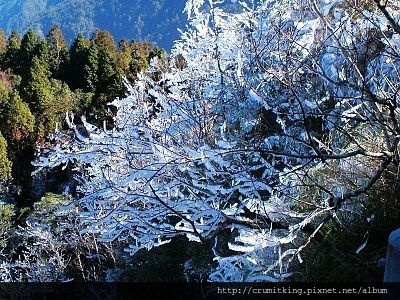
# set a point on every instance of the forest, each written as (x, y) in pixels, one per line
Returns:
(265, 147)
(42, 79)
(151, 20)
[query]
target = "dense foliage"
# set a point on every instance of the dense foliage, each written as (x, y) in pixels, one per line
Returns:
(272, 131)
(5, 165)
(41, 79)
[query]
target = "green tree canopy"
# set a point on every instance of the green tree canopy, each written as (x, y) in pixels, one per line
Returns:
(5, 164)
(11, 57)
(140, 53)
(104, 41)
(3, 45)
(36, 88)
(17, 120)
(29, 48)
(64, 99)
(90, 67)
(58, 49)
(3, 92)
(124, 56)
(75, 73)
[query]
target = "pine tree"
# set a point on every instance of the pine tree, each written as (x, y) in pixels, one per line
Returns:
(105, 51)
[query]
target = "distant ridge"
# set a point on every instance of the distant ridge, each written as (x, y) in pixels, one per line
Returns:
(152, 20)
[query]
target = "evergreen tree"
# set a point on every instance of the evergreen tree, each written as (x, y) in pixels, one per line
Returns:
(58, 50)
(3, 41)
(90, 69)
(110, 84)
(7, 214)
(124, 56)
(106, 67)
(75, 73)
(3, 46)
(64, 100)
(104, 41)
(29, 48)
(37, 90)
(3, 93)
(106, 70)
(156, 52)
(140, 52)
(5, 164)
(17, 120)
(11, 57)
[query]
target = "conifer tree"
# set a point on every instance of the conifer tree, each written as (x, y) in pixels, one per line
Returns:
(124, 57)
(3, 46)
(58, 50)
(140, 52)
(75, 74)
(37, 91)
(90, 68)
(64, 99)
(5, 164)
(106, 70)
(29, 48)
(3, 94)
(104, 41)
(11, 57)
(17, 120)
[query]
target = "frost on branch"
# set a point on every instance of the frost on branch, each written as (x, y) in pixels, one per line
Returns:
(282, 120)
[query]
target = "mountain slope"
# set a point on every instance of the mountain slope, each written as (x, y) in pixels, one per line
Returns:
(153, 20)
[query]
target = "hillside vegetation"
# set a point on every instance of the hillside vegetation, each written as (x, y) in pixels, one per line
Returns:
(42, 79)
(151, 20)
